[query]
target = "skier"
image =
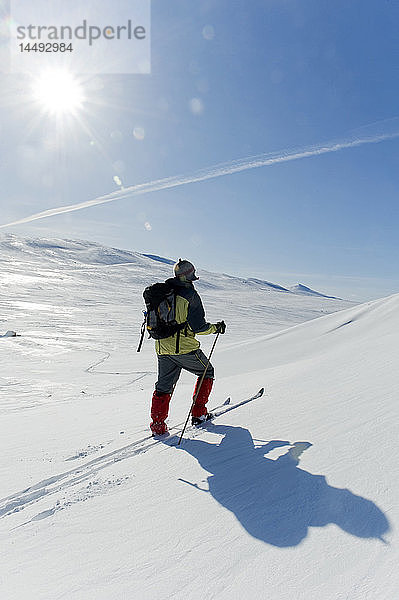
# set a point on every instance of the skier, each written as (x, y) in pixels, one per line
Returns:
(172, 357)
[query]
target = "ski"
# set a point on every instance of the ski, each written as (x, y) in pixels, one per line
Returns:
(218, 411)
(228, 407)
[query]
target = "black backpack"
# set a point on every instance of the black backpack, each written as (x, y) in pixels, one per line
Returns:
(160, 316)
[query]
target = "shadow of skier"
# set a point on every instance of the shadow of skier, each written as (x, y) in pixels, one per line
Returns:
(275, 500)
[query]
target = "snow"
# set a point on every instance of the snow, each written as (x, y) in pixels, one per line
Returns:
(293, 495)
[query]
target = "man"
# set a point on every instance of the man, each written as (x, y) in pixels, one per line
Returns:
(186, 354)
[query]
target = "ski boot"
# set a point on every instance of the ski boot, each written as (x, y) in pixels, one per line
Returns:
(196, 421)
(159, 428)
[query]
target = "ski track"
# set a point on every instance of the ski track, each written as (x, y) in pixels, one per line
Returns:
(107, 355)
(63, 481)
(96, 487)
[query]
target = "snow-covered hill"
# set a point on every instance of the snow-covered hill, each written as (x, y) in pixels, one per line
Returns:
(291, 496)
(75, 298)
(299, 288)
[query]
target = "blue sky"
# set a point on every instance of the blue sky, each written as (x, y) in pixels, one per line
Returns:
(230, 80)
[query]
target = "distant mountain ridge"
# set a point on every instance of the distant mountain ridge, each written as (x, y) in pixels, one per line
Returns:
(84, 253)
(166, 261)
(299, 288)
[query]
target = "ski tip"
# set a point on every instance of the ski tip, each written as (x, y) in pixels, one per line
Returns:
(261, 391)
(227, 401)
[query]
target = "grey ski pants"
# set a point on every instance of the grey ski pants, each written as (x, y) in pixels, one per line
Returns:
(170, 366)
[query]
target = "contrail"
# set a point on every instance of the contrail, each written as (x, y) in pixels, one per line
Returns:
(219, 170)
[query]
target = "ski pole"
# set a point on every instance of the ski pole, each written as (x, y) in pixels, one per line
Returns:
(198, 388)
(142, 332)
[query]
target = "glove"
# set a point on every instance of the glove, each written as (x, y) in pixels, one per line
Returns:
(220, 327)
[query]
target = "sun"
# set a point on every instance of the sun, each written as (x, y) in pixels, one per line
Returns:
(58, 92)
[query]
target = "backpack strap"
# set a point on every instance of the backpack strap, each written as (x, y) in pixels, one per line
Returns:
(181, 327)
(178, 331)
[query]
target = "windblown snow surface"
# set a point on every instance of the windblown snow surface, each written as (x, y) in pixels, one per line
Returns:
(291, 496)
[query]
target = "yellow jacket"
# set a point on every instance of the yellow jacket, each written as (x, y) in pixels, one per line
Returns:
(189, 310)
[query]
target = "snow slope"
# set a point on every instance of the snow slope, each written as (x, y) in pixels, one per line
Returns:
(292, 496)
